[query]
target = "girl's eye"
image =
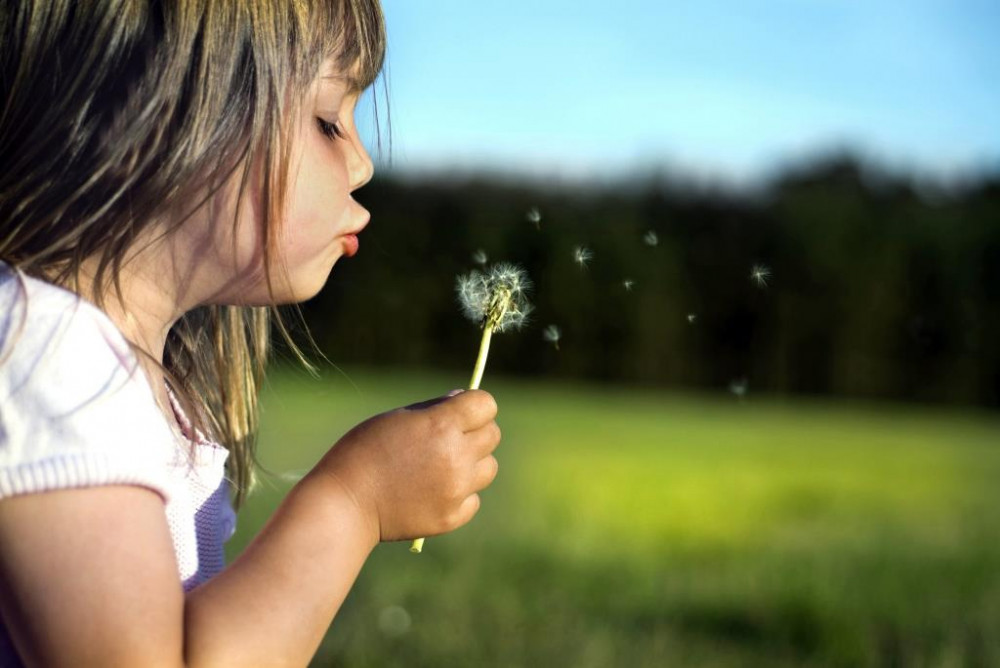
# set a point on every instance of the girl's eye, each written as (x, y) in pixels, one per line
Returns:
(331, 130)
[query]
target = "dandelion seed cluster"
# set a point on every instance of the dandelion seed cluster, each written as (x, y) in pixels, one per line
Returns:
(496, 298)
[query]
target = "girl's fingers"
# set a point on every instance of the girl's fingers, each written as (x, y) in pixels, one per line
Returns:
(475, 408)
(485, 472)
(467, 510)
(484, 440)
(471, 408)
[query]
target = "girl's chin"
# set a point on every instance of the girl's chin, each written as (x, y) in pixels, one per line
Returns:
(299, 283)
(309, 286)
(281, 294)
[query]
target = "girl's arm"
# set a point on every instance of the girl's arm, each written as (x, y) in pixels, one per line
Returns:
(88, 576)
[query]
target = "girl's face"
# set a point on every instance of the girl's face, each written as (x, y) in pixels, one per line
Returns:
(328, 163)
(320, 218)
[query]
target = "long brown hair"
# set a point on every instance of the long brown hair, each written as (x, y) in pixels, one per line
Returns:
(112, 110)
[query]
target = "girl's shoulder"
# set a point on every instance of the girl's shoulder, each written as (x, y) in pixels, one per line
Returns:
(58, 350)
(75, 406)
(38, 318)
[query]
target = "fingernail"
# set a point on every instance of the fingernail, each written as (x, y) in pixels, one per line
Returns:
(454, 392)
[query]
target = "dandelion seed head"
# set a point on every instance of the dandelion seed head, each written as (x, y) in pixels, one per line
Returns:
(496, 298)
(650, 238)
(509, 276)
(473, 295)
(760, 274)
(582, 255)
(479, 257)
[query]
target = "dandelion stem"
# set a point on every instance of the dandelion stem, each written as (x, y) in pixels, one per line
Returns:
(484, 351)
(496, 300)
(417, 545)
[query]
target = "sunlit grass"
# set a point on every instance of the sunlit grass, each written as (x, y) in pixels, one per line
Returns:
(681, 473)
(645, 528)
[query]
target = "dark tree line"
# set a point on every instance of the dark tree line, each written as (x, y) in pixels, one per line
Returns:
(877, 288)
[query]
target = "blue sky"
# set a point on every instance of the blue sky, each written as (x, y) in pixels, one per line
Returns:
(722, 88)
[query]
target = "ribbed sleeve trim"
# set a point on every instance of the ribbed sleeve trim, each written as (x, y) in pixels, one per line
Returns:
(91, 469)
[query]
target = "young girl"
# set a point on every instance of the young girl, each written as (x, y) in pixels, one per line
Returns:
(168, 172)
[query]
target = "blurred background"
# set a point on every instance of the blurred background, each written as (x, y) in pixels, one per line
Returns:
(753, 418)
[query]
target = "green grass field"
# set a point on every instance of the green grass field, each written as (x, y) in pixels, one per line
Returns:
(640, 528)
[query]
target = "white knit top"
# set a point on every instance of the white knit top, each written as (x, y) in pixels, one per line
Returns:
(77, 411)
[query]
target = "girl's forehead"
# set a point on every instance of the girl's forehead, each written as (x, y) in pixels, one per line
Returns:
(333, 74)
(328, 88)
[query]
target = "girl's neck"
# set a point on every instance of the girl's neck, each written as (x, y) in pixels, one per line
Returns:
(143, 312)
(174, 268)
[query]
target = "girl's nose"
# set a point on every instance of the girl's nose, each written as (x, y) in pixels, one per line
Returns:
(360, 167)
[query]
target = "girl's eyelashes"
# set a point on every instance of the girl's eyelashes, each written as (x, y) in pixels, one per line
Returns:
(331, 130)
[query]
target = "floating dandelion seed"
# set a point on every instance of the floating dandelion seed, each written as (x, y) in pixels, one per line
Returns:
(582, 255)
(552, 334)
(496, 300)
(738, 386)
(691, 317)
(650, 238)
(760, 275)
(534, 216)
(627, 284)
(479, 257)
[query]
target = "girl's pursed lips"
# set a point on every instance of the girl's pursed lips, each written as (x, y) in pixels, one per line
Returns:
(361, 225)
(363, 216)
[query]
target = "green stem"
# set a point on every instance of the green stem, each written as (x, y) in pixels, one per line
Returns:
(484, 351)
(417, 545)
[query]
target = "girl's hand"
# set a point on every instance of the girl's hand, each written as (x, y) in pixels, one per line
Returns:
(416, 471)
